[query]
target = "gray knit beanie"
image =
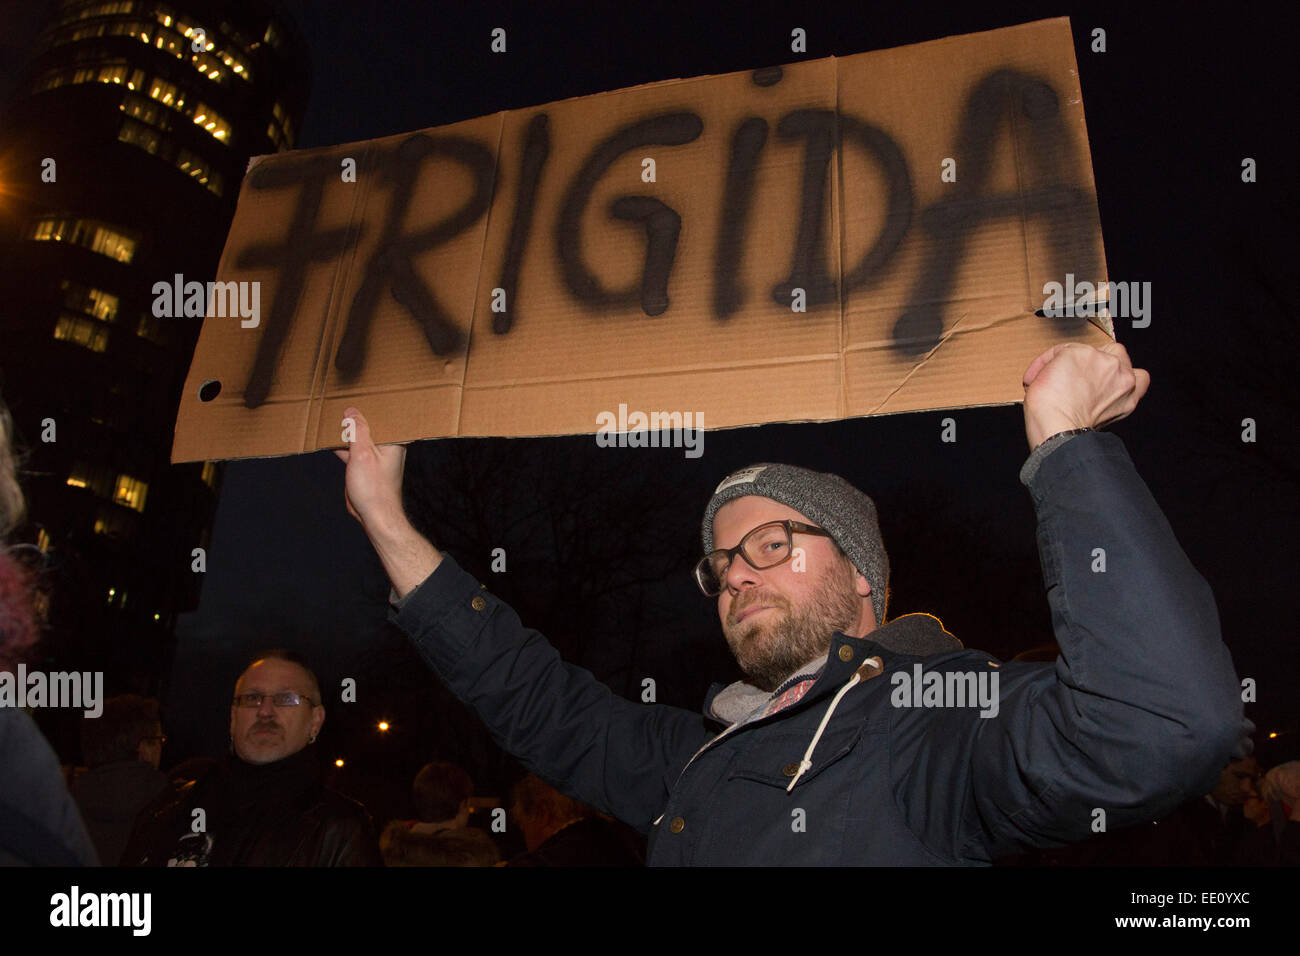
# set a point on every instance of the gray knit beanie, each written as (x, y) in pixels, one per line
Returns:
(829, 502)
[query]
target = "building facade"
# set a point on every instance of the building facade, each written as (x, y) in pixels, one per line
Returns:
(121, 156)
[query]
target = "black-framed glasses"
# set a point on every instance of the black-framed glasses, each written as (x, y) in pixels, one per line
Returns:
(764, 547)
(283, 699)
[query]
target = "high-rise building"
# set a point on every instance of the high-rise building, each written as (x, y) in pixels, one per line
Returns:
(121, 155)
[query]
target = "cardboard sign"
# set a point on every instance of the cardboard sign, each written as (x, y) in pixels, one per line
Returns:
(840, 237)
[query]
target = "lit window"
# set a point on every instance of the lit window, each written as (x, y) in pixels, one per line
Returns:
(130, 492)
(151, 328)
(145, 110)
(110, 523)
(43, 539)
(142, 137)
(111, 243)
(78, 478)
(105, 9)
(102, 305)
(199, 170)
(112, 73)
(166, 93)
(81, 331)
(95, 236)
(47, 230)
(209, 475)
(212, 122)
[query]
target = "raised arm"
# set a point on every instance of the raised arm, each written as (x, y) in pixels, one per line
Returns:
(373, 483)
(558, 720)
(1142, 708)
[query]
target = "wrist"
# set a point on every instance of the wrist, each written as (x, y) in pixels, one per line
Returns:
(407, 556)
(388, 525)
(1041, 428)
(1045, 448)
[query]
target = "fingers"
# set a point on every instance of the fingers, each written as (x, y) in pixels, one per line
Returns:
(1037, 364)
(1143, 383)
(361, 433)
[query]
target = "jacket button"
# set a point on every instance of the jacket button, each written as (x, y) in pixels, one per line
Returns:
(846, 653)
(478, 603)
(790, 769)
(678, 825)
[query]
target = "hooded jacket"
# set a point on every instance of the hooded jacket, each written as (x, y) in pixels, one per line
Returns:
(905, 750)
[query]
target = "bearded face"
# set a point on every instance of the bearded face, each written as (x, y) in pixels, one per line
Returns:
(772, 636)
(779, 618)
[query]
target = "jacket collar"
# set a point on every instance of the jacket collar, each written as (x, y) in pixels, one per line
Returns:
(912, 635)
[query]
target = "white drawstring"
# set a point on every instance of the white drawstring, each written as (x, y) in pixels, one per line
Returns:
(806, 763)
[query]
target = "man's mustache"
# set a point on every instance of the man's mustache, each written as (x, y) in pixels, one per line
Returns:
(749, 599)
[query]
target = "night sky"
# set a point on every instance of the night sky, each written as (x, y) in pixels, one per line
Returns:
(1172, 107)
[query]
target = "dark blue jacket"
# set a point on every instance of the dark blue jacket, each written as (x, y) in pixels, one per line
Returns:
(1141, 710)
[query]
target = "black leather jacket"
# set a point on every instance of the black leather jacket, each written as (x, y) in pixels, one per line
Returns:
(273, 815)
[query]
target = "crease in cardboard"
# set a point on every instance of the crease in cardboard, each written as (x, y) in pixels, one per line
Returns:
(1018, 165)
(333, 310)
(806, 359)
(475, 319)
(918, 365)
(838, 191)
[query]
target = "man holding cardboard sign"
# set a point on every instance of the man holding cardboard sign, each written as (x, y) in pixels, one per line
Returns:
(954, 758)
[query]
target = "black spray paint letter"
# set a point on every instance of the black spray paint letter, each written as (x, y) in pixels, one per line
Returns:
(301, 247)
(1030, 107)
(661, 223)
(391, 262)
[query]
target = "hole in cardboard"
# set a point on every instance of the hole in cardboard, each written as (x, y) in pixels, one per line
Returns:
(209, 390)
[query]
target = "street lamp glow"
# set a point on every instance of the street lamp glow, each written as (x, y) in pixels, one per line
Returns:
(339, 762)
(383, 725)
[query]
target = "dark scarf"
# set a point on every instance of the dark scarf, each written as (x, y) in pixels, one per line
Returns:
(246, 800)
(243, 786)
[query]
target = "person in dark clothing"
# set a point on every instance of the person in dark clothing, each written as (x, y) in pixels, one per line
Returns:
(122, 749)
(856, 740)
(265, 805)
(560, 831)
(440, 835)
(39, 821)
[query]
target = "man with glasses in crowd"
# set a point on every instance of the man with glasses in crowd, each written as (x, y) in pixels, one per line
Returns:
(855, 740)
(265, 805)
